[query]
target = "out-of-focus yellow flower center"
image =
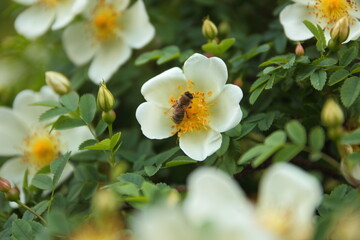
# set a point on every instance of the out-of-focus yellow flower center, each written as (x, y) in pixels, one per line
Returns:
(49, 3)
(105, 21)
(41, 149)
(196, 113)
(329, 11)
(93, 232)
(276, 222)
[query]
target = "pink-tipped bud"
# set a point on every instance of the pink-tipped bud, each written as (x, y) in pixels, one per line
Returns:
(4, 185)
(13, 194)
(299, 50)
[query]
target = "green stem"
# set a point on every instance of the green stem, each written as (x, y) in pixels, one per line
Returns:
(4, 216)
(110, 128)
(326, 157)
(32, 211)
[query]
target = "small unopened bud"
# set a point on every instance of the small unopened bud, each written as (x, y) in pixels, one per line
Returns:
(108, 117)
(341, 29)
(209, 29)
(4, 185)
(299, 50)
(58, 82)
(105, 202)
(105, 99)
(331, 114)
(13, 194)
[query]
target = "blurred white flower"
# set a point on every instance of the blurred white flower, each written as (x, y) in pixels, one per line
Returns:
(216, 208)
(322, 12)
(214, 107)
(43, 14)
(29, 142)
(107, 35)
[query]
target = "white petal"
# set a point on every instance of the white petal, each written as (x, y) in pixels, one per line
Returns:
(208, 74)
(120, 5)
(292, 17)
(79, 44)
(29, 113)
(66, 11)
(354, 31)
(14, 171)
(12, 132)
(200, 144)
(34, 21)
(136, 28)
(71, 139)
(162, 223)
(155, 123)
(108, 59)
(160, 88)
(26, 2)
(287, 191)
(215, 199)
(226, 113)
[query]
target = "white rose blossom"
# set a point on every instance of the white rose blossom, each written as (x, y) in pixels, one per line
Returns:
(29, 143)
(216, 208)
(322, 12)
(107, 35)
(43, 14)
(214, 107)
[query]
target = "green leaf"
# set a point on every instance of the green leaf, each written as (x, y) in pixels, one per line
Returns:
(354, 157)
(338, 76)
(148, 56)
(103, 145)
(100, 127)
(252, 53)
(252, 153)
(348, 55)
(42, 181)
(287, 153)
(151, 170)
(255, 94)
(350, 91)
(352, 138)
(317, 138)
(168, 53)
(218, 48)
(47, 103)
(70, 100)
(224, 145)
(326, 62)
(304, 72)
(87, 107)
(296, 132)
(38, 208)
(162, 157)
(268, 151)
(318, 80)
(175, 163)
(65, 122)
(258, 82)
(57, 167)
(114, 140)
(53, 112)
(22, 230)
(132, 178)
(318, 34)
(276, 138)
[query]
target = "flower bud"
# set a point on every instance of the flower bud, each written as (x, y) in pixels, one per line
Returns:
(299, 50)
(331, 114)
(58, 82)
(105, 202)
(341, 29)
(333, 45)
(105, 99)
(13, 194)
(108, 117)
(4, 185)
(209, 29)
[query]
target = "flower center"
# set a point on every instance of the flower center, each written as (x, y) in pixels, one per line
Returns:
(105, 21)
(41, 149)
(275, 222)
(49, 3)
(329, 11)
(192, 114)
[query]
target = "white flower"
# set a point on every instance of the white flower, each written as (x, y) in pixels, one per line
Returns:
(322, 12)
(213, 109)
(43, 14)
(216, 208)
(107, 36)
(29, 142)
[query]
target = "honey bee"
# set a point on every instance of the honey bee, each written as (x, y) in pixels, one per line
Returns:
(179, 108)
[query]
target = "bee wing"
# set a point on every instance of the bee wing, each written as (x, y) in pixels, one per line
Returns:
(170, 112)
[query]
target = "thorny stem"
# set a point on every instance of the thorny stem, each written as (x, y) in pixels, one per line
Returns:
(31, 210)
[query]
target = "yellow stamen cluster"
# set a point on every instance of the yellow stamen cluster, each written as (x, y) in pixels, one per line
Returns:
(41, 149)
(196, 114)
(105, 21)
(49, 3)
(330, 11)
(276, 222)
